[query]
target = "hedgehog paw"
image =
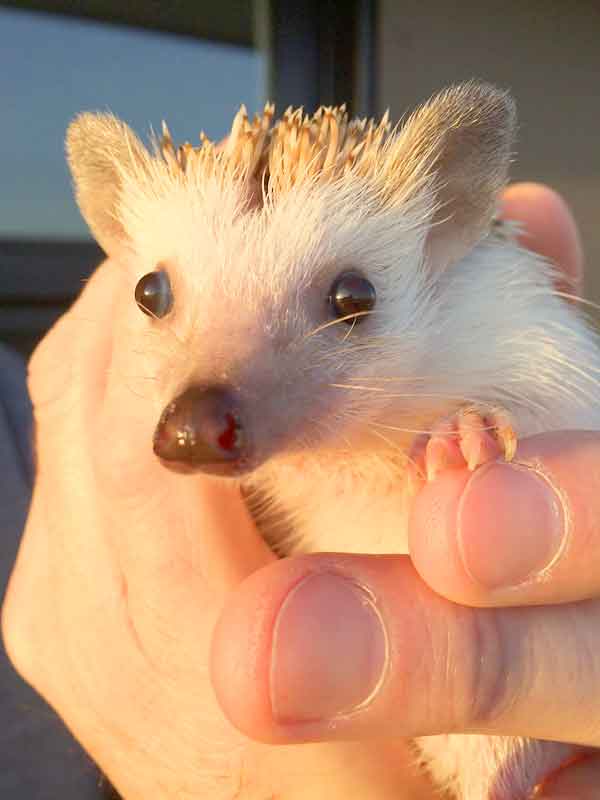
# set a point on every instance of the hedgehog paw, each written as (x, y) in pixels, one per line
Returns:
(473, 436)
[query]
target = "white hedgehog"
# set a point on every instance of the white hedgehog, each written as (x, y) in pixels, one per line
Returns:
(328, 289)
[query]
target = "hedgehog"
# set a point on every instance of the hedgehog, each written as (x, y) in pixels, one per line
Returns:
(321, 298)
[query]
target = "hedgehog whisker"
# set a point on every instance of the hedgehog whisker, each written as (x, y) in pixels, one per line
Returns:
(408, 395)
(170, 350)
(507, 392)
(395, 446)
(373, 342)
(332, 322)
(330, 430)
(350, 329)
(577, 299)
(425, 432)
(125, 380)
(170, 331)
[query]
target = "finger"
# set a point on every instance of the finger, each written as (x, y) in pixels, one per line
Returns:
(190, 529)
(328, 647)
(548, 228)
(93, 424)
(577, 781)
(76, 347)
(56, 376)
(512, 534)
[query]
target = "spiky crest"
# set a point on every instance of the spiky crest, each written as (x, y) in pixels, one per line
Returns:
(297, 148)
(447, 163)
(462, 134)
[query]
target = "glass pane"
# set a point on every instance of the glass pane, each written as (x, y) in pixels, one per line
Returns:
(52, 67)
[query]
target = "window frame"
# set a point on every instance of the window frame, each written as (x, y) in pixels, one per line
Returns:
(332, 40)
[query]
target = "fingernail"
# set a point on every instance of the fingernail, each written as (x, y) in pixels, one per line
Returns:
(329, 650)
(511, 525)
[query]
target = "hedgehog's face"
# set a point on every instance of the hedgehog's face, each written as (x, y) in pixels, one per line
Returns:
(288, 311)
(268, 337)
(212, 425)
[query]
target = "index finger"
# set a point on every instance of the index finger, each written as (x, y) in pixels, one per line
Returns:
(548, 228)
(527, 532)
(76, 348)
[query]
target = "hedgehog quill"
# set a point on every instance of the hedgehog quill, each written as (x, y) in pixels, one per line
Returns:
(337, 296)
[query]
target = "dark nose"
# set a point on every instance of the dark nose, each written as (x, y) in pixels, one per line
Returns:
(201, 431)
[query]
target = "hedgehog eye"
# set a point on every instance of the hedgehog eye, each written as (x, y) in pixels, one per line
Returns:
(153, 294)
(351, 294)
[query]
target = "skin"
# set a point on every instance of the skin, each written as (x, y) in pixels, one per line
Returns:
(147, 610)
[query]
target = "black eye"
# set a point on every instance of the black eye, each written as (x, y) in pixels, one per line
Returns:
(350, 294)
(153, 294)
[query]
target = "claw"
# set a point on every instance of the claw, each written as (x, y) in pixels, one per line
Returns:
(471, 447)
(471, 437)
(509, 439)
(442, 452)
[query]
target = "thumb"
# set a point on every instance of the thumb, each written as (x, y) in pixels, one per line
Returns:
(336, 646)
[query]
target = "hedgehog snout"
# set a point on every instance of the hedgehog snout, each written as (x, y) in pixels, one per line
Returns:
(201, 430)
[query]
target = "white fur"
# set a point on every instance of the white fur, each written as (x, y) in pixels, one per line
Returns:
(491, 330)
(333, 410)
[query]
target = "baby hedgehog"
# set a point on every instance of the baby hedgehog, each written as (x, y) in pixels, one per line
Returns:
(319, 292)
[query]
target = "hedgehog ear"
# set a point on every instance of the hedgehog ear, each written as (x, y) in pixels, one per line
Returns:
(101, 151)
(462, 140)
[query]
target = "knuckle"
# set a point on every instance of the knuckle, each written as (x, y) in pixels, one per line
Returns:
(487, 688)
(15, 628)
(471, 676)
(50, 366)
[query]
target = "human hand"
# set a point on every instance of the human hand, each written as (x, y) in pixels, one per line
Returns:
(122, 567)
(121, 575)
(444, 655)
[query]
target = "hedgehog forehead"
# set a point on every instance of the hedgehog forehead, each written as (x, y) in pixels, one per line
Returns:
(275, 186)
(275, 255)
(238, 277)
(184, 221)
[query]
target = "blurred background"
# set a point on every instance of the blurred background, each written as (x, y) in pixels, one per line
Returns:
(192, 62)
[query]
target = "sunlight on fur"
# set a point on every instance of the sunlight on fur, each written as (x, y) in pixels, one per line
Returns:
(252, 236)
